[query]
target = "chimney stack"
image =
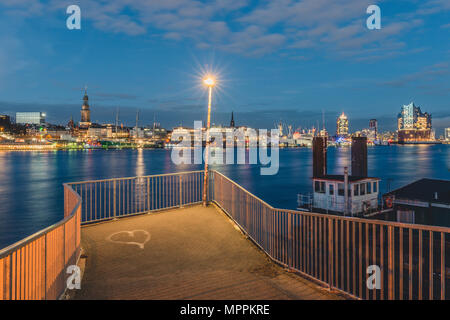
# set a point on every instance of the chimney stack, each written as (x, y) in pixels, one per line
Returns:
(319, 156)
(359, 156)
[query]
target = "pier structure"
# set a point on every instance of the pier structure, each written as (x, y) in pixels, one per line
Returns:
(148, 237)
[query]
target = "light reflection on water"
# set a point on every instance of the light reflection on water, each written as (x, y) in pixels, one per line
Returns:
(31, 192)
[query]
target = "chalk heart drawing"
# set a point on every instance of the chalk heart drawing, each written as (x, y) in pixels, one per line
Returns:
(133, 235)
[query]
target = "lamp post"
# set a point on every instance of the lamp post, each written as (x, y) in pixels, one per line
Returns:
(209, 82)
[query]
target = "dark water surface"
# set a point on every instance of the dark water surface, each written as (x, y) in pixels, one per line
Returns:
(31, 192)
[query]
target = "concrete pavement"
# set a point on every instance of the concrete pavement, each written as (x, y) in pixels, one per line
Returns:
(189, 253)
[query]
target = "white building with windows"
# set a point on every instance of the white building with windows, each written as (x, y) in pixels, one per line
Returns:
(330, 196)
(37, 118)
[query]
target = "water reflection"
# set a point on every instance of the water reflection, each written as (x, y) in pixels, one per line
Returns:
(140, 164)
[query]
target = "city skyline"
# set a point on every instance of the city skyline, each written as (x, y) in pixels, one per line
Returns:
(362, 124)
(272, 69)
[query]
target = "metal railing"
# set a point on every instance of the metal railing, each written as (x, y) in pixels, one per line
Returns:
(333, 250)
(115, 198)
(35, 267)
(336, 251)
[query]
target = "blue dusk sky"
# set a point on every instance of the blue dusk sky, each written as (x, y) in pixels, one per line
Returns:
(276, 60)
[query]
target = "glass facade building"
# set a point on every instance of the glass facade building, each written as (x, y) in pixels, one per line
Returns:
(342, 126)
(37, 118)
(414, 125)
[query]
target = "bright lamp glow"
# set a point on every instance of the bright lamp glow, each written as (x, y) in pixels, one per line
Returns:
(209, 81)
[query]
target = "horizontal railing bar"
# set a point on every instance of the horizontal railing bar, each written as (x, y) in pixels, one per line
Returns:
(133, 178)
(243, 189)
(96, 221)
(369, 221)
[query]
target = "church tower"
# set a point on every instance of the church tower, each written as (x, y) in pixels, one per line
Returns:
(85, 111)
(232, 120)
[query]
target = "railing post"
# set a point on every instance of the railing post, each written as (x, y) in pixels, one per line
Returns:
(181, 191)
(290, 241)
(390, 263)
(45, 267)
(64, 248)
(148, 193)
(211, 186)
(442, 266)
(330, 253)
(76, 234)
(114, 197)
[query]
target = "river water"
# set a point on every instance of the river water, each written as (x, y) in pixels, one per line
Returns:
(31, 192)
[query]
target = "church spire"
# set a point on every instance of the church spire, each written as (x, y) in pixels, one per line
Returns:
(85, 110)
(85, 98)
(232, 120)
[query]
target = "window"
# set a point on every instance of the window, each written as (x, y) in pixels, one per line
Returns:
(340, 189)
(369, 187)
(331, 189)
(356, 190)
(319, 186)
(362, 189)
(375, 185)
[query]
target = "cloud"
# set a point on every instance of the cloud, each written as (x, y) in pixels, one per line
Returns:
(245, 27)
(427, 74)
(23, 8)
(433, 6)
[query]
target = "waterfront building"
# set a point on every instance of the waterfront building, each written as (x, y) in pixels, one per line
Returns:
(36, 118)
(58, 133)
(120, 133)
(323, 133)
(342, 126)
(100, 131)
(303, 138)
(447, 134)
(137, 133)
(243, 136)
(330, 196)
(373, 127)
(5, 123)
(413, 125)
(155, 133)
(426, 201)
(71, 124)
(85, 111)
(368, 133)
(355, 194)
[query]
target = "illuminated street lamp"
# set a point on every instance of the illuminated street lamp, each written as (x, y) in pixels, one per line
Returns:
(209, 81)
